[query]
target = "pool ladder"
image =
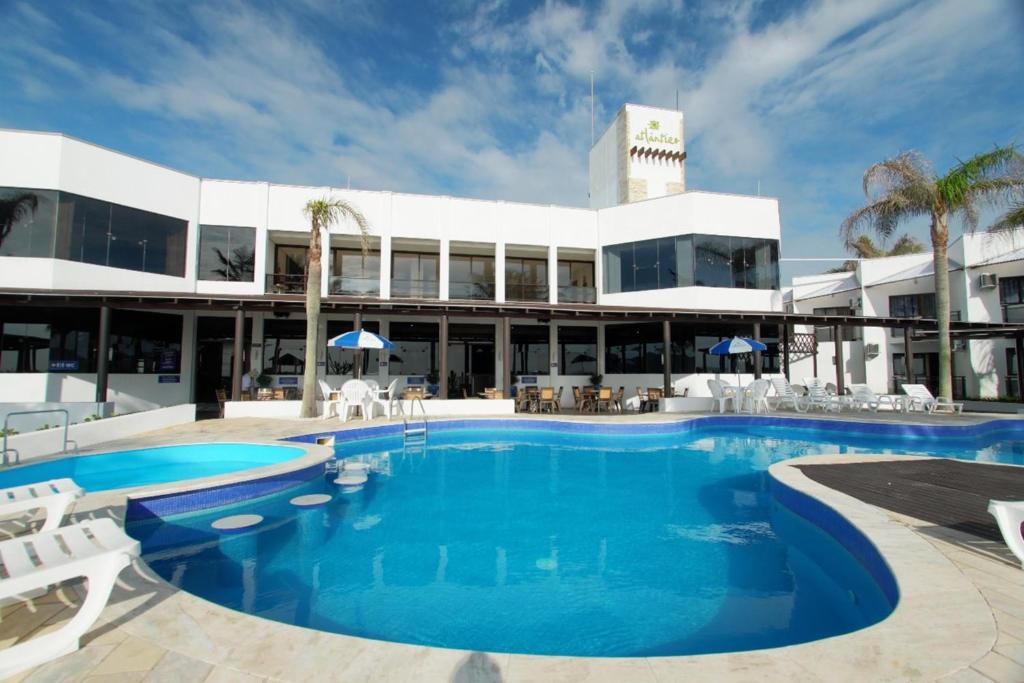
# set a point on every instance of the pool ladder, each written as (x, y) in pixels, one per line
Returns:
(414, 434)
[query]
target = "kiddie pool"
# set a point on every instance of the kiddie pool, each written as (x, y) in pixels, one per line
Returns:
(145, 466)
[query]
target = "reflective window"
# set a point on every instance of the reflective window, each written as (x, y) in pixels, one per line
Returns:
(227, 253)
(633, 348)
(531, 350)
(44, 339)
(1011, 298)
(912, 305)
(415, 275)
(341, 361)
(355, 273)
(284, 347)
(577, 350)
(827, 333)
(712, 256)
(145, 343)
(526, 279)
(28, 221)
(24, 347)
(471, 277)
(415, 351)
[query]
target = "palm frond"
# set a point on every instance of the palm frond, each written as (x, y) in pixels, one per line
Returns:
(881, 216)
(1014, 218)
(328, 211)
(906, 245)
(963, 182)
(906, 170)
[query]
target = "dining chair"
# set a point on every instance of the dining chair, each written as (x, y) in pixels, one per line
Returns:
(653, 398)
(618, 398)
(546, 398)
(642, 398)
(577, 400)
(558, 399)
(604, 398)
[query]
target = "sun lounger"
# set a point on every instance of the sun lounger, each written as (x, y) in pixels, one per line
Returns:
(54, 496)
(786, 394)
(96, 550)
(818, 397)
(864, 397)
(921, 397)
(1010, 517)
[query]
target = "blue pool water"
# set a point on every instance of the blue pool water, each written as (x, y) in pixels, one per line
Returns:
(139, 467)
(555, 542)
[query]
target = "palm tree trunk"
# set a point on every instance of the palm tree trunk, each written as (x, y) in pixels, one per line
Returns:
(313, 278)
(940, 241)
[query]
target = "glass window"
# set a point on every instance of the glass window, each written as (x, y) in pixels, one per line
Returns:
(415, 275)
(284, 347)
(827, 333)
(633, 348)
(227, 253)
(471, 277)
(341, 361)
(415, 351)
(145, 343)
(24, 347)
(912, 305)
(618, 268)
(712, 261)
(355, 273)
(1011, 298)
(526, 279)
(645, 264)
(531, 350)
(44, 339)
(28, 221)
(577, 350)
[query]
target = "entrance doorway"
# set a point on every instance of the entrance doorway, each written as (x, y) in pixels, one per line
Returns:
(470, 359)
(215, 347)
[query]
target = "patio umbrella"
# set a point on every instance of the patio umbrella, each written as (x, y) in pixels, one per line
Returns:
(358, 340)
(735, 346)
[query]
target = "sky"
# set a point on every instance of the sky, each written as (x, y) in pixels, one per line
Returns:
(491, 99)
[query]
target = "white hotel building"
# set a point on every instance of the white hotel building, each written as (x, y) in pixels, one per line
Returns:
(177, 275)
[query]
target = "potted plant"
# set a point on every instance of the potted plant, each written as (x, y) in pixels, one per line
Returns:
(596, 379)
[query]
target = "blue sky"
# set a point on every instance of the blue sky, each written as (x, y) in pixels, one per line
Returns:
(491, 99)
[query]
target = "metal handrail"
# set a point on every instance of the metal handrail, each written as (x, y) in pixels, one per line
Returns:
(17, 459)
(412, 413)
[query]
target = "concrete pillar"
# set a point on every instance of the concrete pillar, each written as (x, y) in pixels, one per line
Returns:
(506, 355)
(103, 355)
(239, 352)
(442, 353)
(554, 362)
(757, 354)
(785, 351)
(443, 273)
(840, 364)
(908, 353)
(499, 272)
(552, 274)
(666, 338)
(385, 266)
(600, 348)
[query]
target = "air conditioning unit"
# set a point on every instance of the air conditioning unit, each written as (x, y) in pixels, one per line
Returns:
(959, 345)
(871, 350)
(988, 280)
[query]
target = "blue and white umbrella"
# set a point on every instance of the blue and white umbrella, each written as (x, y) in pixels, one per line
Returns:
(734, 346)
(358, 340)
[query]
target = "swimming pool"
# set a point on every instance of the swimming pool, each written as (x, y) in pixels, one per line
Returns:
(139, 467)
(560, 538)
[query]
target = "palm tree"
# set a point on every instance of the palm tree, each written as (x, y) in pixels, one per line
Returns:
(15, 209)
(1014, 218)
(322, 214)
(864, 248)
(905, 187)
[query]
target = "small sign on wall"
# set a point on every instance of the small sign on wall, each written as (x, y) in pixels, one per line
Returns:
(287, 381)
(169, 379)
(65, 365)
(415, 380)
(528, 379)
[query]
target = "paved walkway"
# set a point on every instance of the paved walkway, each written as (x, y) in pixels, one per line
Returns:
(126, 644)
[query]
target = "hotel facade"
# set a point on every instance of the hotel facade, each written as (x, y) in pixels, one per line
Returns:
(187, 282)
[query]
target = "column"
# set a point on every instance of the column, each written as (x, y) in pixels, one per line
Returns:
(554, 368)
(385, 266)
(506, 356)
(785, 351)
(442, 354)
(239, 352)
(908, 353)
(600, 348)
(1018, 342)
(499, 272)
(666, 339)
(757, 354)
(840, 364)
(443, 272)
(552, 274)
(103, 355)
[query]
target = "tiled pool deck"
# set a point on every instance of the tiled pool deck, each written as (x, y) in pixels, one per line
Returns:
(961, 615)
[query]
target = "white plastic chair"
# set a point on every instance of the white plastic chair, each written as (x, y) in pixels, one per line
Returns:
(818, 397)
(755, 396)
(329, 403)
(386, 398)
(54, 496)
(921, 397)
(785, 393)
(97, 550)
(1009, 515)
(720, 394)
(355, 393)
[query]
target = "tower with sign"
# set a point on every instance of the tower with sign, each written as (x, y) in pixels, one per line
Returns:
(640, 156)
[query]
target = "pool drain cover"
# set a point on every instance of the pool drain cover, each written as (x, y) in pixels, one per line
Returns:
(310, 500)
(237, 522)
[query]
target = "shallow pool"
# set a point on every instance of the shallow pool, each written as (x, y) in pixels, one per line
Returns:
(555, 539)
(122, 469)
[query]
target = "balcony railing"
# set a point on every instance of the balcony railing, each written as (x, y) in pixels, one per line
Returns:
(523, 292)
(414, 289)
(476, 291)
(354, 286)
(281, 283)
(572, 294)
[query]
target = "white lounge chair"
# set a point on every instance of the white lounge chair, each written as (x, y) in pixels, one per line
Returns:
(818, 397)
(720, 394)
(330, 405)
(97, 550)
(786, 394)
(54, 496)
(864, 397)
(386, 398)
(921, 397)
(1009, 515)
(355, 393)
